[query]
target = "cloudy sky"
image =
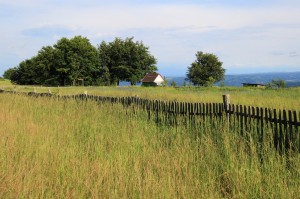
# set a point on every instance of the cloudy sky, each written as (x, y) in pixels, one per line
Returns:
(248, 36)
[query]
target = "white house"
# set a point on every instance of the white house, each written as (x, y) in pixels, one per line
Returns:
(152, 79)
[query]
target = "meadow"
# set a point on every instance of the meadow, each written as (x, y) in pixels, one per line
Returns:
(287, 98)
(54, 148)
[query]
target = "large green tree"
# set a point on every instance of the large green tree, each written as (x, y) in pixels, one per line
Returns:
(205, 70)
(126, 60)
(9, 73)
(76, 59)
(68, 61)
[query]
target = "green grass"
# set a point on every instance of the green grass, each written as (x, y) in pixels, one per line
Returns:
(269, 98)
(5, 83)
(59, 149)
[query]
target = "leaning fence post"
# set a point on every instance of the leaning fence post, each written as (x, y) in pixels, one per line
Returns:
(226, 103)
(85, 95)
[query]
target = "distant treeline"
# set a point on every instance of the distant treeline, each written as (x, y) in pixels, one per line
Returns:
(76, 61)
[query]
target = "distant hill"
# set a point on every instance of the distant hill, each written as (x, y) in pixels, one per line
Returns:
(291, 79)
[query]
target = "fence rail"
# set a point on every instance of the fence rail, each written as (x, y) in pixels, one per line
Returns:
(284, 124)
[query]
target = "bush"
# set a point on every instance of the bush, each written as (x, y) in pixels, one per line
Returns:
(173, 84)
(276, 84)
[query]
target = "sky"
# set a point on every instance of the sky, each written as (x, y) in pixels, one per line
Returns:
(248, 36)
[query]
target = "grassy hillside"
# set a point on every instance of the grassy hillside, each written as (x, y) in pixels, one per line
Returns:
(58, 149)
(5, 83)
(270, 98)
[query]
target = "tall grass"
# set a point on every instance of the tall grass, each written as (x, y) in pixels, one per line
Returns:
(5, 82)
(58, 149)
(287, 98)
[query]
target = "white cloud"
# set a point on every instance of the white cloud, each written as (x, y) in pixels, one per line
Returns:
(240, 35)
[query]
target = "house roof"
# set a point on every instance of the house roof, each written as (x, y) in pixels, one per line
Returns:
(150, 77)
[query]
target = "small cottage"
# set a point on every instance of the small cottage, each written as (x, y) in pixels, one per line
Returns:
(253, 85)
(152, 79)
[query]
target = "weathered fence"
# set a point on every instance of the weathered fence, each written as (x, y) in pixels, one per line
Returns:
(284, 124)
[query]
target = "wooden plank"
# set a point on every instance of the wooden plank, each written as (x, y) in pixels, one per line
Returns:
(257, 116)
(241, 115)
(197, 109)
(231, 110)
(297, 136)
(148, 102)
(251, 118)
(235, 116)
(167, 107)
(221, 109)
(180, 108)
(285, 130)
(164, 111)
(290, 130)
(276, 131)
(174, 118)
(216, 109)
(190, 110)
(281, 135)
(210, 111)
(185, 108)
(201, 109)
(176, 108)
(267, 117)
(246, 118)
(204, 105)
(262, 124)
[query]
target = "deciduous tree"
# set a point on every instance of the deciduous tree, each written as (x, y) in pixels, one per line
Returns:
(63, 64)
(126, 60)
(205, 70)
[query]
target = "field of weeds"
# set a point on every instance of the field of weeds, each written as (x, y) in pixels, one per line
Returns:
(82, 149)
(287, 98)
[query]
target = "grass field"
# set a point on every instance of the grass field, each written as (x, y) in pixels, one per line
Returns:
(70, 149)
(269, 98)
(4, 82)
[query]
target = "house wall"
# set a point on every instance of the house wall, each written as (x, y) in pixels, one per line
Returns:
(159, 80)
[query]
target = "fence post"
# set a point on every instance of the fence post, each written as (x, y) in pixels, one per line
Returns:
(226, 103)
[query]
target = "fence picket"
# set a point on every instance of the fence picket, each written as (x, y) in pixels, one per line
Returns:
(297, 136)
(285, 130)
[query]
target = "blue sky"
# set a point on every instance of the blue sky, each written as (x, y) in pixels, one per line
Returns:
(247, 36)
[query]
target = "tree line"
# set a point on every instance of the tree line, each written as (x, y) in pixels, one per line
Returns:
(76, 61)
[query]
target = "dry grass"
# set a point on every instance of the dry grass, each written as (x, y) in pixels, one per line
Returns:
(270, 98)
(69, 149)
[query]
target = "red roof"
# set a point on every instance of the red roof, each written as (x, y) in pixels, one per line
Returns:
(150, 77)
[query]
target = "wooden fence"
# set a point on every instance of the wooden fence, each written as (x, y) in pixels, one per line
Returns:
(284, 124)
